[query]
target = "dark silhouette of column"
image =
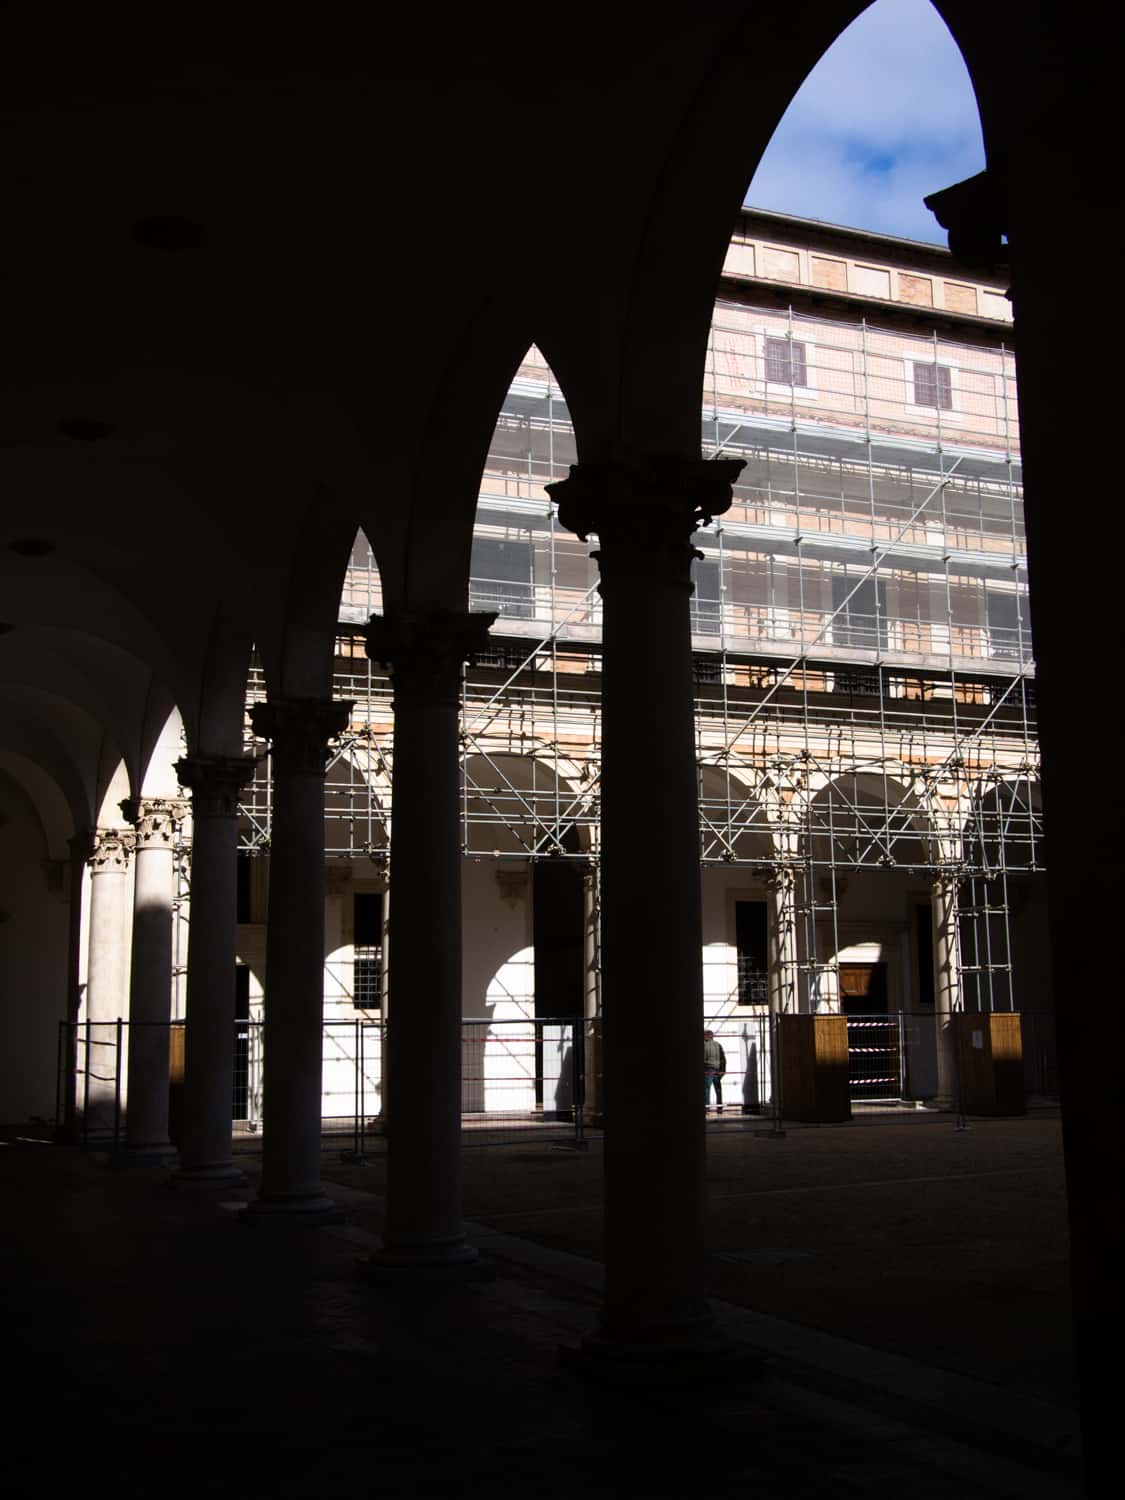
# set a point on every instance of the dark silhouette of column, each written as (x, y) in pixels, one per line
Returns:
(81, 846)
(215, 782)
(293, 1033)
(422, 1101)
(644, 510)
(155, 820)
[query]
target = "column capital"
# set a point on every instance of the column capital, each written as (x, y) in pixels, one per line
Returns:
(155, 819)
(780, 877)
(426, 649)
(299, 729)
(111, 850)
(215, 782)
(633, 494)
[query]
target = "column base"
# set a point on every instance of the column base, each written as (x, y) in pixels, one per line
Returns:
(433, 1255)
(690, 1356)
(219, 1174)
(301, 1211)
(155, 1155)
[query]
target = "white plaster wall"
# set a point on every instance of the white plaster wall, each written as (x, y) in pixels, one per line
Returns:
(498, 987)
(34, 936)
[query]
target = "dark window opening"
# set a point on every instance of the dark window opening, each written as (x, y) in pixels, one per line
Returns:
(933, 386)
(501, 578)
(242, 897)
(707, 669)
(923, 916)
(785, 362)
(751, 929)
(1009, 625)
(706, 599)
(859, 612)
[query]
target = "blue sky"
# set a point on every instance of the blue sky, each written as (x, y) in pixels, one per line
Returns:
(885, 117)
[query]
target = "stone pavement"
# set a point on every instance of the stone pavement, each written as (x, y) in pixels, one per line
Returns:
(156, 1344)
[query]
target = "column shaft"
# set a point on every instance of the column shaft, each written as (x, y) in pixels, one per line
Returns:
(107, 996)
(783, 971)
(644, 512)
(947, 985)
(150, 980)
(205, 1150)
(293, 1036)
(422, 1102)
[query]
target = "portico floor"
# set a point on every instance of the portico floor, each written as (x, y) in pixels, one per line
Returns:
(902, 1283)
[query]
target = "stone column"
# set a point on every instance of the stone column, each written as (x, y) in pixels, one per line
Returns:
(156, 820)
(81, 846)
(215, 782)
(293, 1034)
(422, 1089)
(645, 510)
(783, 975)
(947, 985)
(107, 996)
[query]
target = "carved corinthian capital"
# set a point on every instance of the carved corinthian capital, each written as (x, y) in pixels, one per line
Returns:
(645, 506)
(425, 650)
(112, 850)
(155, 819)
(299, 729)
(214, 782)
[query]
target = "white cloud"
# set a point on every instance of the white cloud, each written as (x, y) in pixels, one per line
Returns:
(886, 116)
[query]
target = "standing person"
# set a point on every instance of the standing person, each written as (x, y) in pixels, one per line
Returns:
(714, 1066)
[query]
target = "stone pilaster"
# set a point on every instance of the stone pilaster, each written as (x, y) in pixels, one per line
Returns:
(645, 509)
(215, 782)
(422, 1087)
(781, 883)
(156, 821)
(948, 998)
(299, 730)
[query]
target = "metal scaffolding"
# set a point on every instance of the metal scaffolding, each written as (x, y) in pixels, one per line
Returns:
(865, 686)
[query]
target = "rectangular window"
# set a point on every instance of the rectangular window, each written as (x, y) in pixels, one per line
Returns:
(751, 929)
(500, 578)
(859, 612)
(1009, 626)
(933, 386)
(706, 601)
(785, 362)
(243, 889)
(367, 983)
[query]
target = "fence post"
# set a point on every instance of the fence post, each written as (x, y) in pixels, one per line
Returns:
(578, 1055)
(776, 1129)
(119, 1032)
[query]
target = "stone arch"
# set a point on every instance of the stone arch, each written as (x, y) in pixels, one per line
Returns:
(733, 823)
(517, 804)
(867, 818)
(1003, 828)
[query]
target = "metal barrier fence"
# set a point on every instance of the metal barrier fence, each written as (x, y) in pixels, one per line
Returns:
(522, 1077)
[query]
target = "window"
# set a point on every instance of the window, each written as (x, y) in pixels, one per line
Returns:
(1009, 626)
(752, 942)
(501, 578)
(706, 669)
(706, 605)
(933, 386)
(785, 362)
(861, 620)
(367, 911)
